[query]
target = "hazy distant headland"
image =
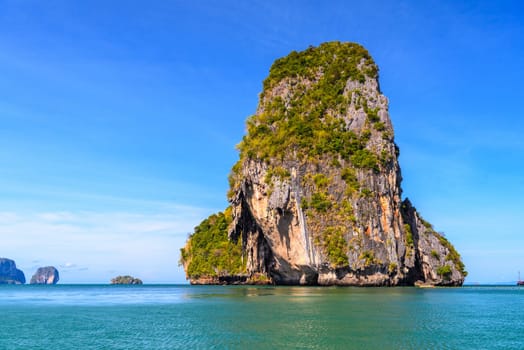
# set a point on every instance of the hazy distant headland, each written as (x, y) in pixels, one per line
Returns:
(10, 274)
(45, 275)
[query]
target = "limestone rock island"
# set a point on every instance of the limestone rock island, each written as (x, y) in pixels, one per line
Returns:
(126, 280)
(45, 275)
(9, 274)
(315, 198)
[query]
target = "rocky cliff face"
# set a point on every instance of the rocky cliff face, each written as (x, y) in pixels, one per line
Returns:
(45, 275)
(9, 274)
(316, 195)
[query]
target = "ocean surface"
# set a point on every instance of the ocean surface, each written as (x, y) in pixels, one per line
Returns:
(241, 317)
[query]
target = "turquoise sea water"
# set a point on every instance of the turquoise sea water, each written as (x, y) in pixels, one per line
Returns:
(217, 317)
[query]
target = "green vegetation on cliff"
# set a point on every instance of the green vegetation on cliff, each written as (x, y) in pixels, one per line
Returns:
(209, 252)
(303, 118)
(369, 258)
(335, 246)
(308, 125)
(339, 62)
(444, 272)
(318, 163)
(453, 255)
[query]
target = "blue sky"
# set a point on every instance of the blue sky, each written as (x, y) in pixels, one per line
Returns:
(119, 120)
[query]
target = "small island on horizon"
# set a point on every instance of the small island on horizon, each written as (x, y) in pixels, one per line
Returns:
(126, 280)
(45, 275)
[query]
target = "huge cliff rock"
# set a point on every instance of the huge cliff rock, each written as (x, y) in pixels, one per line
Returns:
(316, 196)
(45, 275)
(9, 274)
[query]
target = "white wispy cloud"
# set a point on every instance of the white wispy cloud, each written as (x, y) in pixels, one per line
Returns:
(86, 245)
(67, 265)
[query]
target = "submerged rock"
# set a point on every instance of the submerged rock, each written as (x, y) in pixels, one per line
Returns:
(45, 275)
(9, 274)
(316, 196)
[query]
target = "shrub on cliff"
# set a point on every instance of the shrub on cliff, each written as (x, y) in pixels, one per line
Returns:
(209, 252)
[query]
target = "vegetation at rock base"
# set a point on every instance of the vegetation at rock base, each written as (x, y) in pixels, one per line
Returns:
(444, 272)
(259, 278)
(392, 267)
(209, 252)
(126, 280)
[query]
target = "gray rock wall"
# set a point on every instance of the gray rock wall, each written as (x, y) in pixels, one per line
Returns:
(367, 237)
(45, 275)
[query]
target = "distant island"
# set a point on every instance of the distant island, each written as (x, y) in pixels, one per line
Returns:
(315, 197)
(45, 275)
(9, 274)
(126, 280)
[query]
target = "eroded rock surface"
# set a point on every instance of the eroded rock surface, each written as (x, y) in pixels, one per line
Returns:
(45, 275)
(316, 195)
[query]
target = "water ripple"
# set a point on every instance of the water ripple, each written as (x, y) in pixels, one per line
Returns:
(217, 317)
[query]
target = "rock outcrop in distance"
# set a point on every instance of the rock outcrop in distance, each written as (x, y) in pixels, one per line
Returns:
(315, 196)
(45, 275)
(9, 274)
(126, 280)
